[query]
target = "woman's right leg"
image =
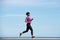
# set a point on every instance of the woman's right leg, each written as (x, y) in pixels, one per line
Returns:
(25, 30)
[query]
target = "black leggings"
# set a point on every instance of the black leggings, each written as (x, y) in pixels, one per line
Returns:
(28, 27)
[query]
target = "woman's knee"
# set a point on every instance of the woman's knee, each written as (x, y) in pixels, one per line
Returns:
(32, 30)
(26, 30)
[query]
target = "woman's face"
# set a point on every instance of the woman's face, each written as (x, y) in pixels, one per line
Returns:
(28, 14)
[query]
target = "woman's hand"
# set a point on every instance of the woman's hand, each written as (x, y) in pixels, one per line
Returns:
(31, 19)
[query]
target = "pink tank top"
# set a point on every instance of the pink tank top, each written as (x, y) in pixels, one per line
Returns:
(28, 19)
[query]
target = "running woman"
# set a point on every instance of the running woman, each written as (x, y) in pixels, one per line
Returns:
(28, 20)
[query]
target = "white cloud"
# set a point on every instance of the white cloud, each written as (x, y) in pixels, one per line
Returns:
(9, 2)
(40, 3)
(13, 15)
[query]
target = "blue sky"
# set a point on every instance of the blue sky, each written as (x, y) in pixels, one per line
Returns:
(46, 14)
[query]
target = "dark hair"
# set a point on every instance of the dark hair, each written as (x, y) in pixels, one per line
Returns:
(27, 13)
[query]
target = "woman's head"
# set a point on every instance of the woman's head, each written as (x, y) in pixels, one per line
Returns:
(28, 13)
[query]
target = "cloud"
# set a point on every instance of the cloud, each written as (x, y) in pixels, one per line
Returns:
(13, 15)
(9, 2)
(33, 3)
(39, 3)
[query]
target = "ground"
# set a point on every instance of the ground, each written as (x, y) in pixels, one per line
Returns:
(29, 38)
